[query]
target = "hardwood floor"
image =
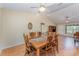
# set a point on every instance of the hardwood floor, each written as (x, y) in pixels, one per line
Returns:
(66, 48)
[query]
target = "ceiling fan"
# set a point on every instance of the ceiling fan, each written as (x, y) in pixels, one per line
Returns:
(67, 19)
(41, 8)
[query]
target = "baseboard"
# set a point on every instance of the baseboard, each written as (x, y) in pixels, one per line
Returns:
(10, 46)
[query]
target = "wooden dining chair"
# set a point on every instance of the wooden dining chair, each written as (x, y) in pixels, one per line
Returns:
(33, 35)
(49, 46)
(29, 48)
(39, 34)
(55, 40)
(53, 43)
(76, 37)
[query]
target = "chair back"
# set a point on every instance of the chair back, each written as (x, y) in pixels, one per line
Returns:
(76, 34)
(33, 34)
(25, 38)
(56, 39)
(50, 33)
(27, 42)
(49, 39)
(53, 38)
(38, 34)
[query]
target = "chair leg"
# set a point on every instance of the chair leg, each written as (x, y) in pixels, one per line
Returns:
(53, 51)
(25, 53)
(74, 42)
(57, 48)
(46, 53)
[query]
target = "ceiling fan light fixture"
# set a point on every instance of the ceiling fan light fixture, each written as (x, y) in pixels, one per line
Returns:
(67, 21)
(42, 9)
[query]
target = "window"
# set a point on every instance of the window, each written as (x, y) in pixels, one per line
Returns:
(70, 29)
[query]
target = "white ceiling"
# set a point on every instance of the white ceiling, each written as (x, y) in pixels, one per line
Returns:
(56, 12)
(1, 5)
(71, 11)
(25, 6)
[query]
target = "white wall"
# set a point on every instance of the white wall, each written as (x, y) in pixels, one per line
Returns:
(1, 28)
(15, 23)
(61, 29)
(0, 22)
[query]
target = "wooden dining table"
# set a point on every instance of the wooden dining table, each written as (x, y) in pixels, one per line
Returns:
(38, 45)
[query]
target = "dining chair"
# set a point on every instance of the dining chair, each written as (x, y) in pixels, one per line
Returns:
(48, 48)
(76, 37)
(30, 50)
(33, 35)
(38, 34)
(55, 40)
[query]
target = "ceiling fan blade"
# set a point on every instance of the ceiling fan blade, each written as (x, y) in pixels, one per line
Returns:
(34, 7)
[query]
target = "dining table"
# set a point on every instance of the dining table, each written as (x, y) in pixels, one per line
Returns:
(38, 43)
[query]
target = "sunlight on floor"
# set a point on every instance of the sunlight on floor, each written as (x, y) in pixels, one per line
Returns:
(68, 43)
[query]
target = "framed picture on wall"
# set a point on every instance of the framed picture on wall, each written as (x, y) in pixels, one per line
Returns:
(30, 25)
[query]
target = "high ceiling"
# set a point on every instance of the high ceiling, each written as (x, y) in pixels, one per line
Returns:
(71, 11)
(32, 7)
(57, 12)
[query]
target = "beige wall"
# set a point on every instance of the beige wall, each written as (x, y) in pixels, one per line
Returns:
(61, 29)
(15, 24)
(0, 26)
(0, 22)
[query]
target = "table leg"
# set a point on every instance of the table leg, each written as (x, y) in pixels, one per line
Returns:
(38, 52)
